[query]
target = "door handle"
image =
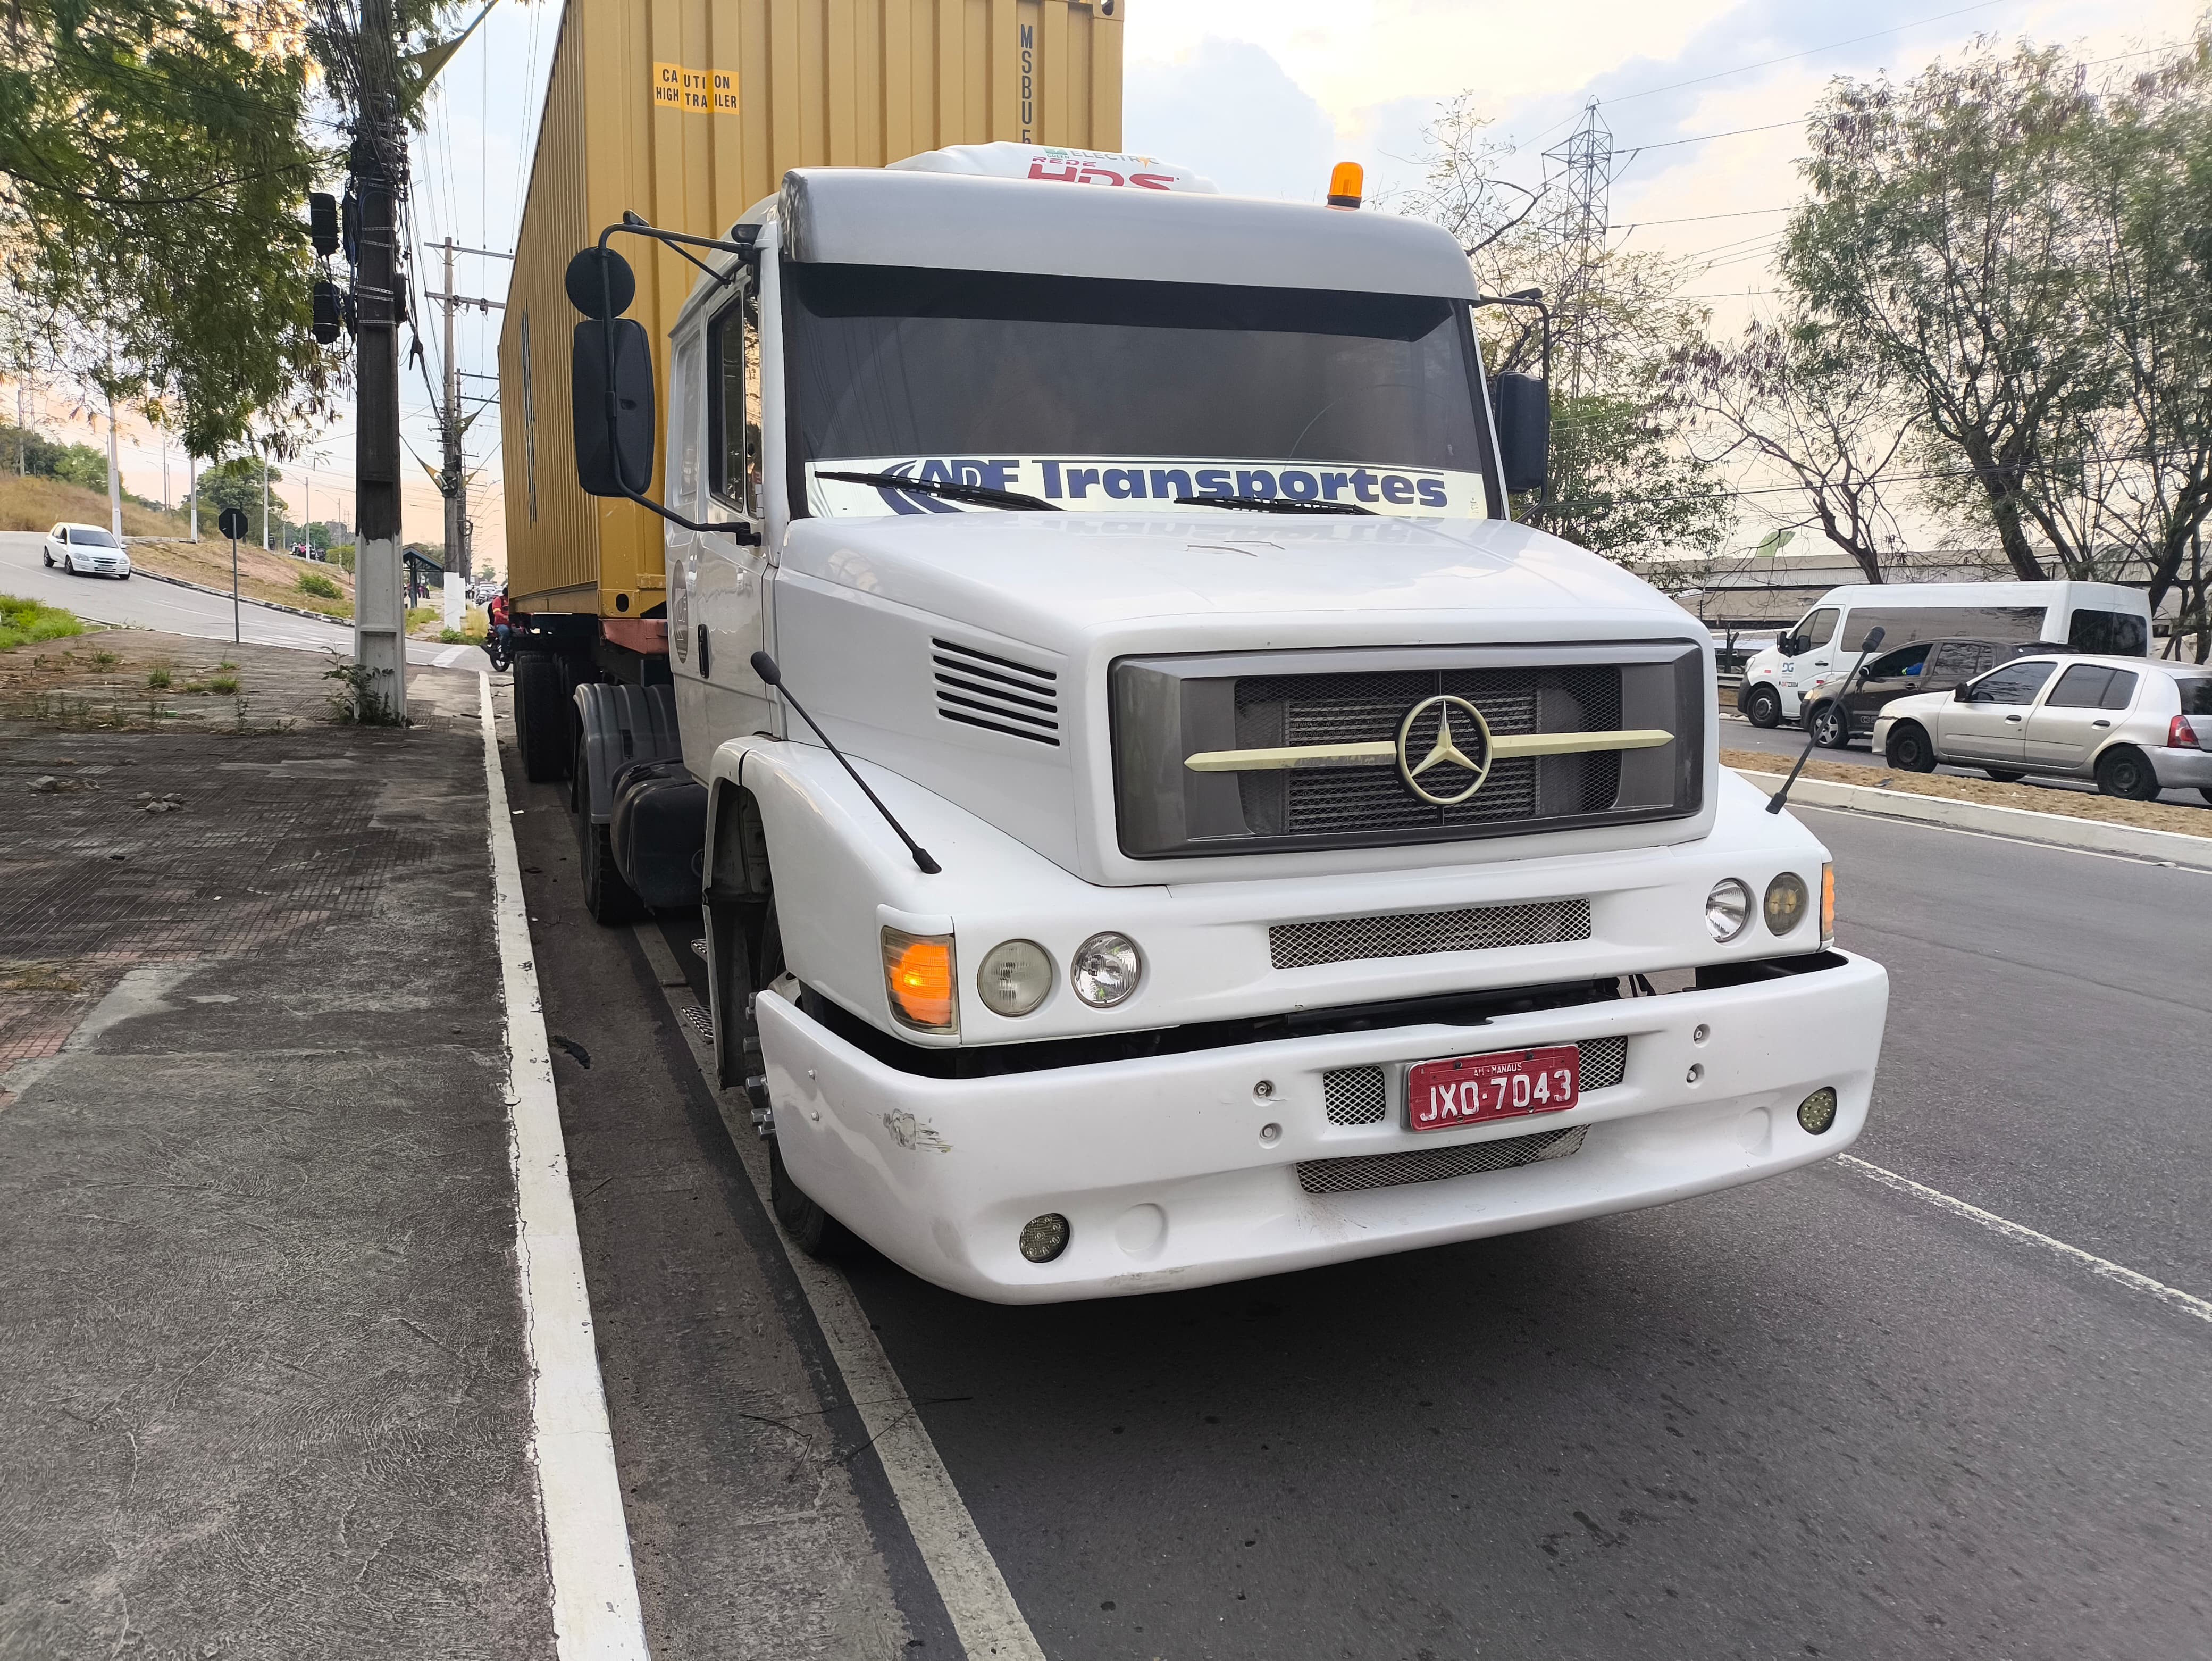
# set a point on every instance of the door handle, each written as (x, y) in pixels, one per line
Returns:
(2016, 717)
(2100, 723)
(706, 666)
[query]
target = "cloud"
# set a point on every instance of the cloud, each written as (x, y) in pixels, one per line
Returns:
(1227, 109)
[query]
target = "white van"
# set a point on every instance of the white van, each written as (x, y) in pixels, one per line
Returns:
(2084, 617)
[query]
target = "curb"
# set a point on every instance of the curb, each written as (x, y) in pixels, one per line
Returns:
(2024, 825)
(265, 605)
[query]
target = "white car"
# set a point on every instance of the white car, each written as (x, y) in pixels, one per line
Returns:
(2136, 726)
(85, 551)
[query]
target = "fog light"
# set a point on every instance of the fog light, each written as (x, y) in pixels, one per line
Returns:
(1786, 900)
(1105, 969)
(1045, 1238)
(1727, 910)
(1816, 1113)
(1015, 976)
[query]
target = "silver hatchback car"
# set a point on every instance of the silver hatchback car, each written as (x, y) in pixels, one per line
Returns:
(2137, 726)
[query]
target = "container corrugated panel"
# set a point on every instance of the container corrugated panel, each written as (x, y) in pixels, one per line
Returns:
(688, 111)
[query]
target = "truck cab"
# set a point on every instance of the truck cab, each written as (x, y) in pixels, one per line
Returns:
(1159, 818)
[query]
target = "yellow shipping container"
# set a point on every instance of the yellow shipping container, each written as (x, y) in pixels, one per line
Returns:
(690, 111)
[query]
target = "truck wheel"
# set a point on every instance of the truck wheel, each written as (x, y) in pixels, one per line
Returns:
(813, 1229)
(609, 898)
(1909, 751)
(1763, 708)
(541, 717)
(1832, 728)
(2126, 773)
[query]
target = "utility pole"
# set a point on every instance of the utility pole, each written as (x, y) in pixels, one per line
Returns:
(1581, 167)
(192, 482)
(453, 474)
(380, 166)
(264, 502)
(114, 477)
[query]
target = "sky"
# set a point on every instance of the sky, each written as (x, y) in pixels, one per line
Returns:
(1263, 96)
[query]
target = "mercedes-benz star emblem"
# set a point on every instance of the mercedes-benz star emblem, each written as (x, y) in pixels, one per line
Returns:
(1444, 752)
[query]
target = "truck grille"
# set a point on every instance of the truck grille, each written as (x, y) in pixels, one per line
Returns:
(1430, 1164)
(1367, 708)
(1415, 934)
(976, 689)
(1361, 1095)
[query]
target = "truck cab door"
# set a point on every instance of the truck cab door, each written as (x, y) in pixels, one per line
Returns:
(723, 581)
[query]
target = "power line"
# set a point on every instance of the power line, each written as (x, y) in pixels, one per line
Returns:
(1810, 51)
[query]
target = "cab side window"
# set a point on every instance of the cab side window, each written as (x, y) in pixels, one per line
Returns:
(1817, 629)
(733, 444)
(2016, 683)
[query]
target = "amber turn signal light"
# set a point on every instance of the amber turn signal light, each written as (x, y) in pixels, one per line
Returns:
(1827, 906)
(918, 975)
(1347, 182)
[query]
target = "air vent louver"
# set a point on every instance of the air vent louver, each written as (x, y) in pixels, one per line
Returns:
(977, 688)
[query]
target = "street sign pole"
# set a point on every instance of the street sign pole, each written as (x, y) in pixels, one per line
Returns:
(232, 524)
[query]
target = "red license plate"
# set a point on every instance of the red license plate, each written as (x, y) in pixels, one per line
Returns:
(1475, 1089)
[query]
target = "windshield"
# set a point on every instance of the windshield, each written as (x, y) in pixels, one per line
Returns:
(1099, 394)
(88, 539)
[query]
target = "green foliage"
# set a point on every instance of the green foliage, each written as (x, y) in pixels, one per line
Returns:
(315, 583)
(154, 159)
(23, 621)
(236, 483)
(1622, 484)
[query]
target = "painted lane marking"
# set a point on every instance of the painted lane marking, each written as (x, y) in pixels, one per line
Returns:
(595, 1605)
(990, 1624)
(2172, 1297)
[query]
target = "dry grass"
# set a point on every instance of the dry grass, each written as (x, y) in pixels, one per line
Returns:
(271, 576)
(37, 504)
(2037, 798)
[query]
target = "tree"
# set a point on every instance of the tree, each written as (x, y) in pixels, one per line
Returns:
(1790, 399)
(153, 156)
(1940, 243)
(1621, 483)
(237, 484)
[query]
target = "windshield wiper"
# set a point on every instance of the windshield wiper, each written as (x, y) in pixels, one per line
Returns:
(1273, 505)
(951, 490)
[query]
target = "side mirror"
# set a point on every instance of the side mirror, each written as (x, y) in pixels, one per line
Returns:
(611, 406)
(1963, 692)
(1522, 404)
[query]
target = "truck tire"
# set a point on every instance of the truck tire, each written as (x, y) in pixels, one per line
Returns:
(813, 1229)
(541, 717)
(2125, 772)
(1762, 708)
(609, 899)
(1909, 750)
(1831, 728)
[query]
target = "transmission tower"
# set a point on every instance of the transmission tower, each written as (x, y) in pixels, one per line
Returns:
(1579, 171)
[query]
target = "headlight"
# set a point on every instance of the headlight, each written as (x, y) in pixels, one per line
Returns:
(918, 975)
(1105, 969)
(1787, 899)
(1015, 977)
(1727, 909)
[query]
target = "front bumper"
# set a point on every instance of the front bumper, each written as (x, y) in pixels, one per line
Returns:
(2181, 769)
(1163, 1168)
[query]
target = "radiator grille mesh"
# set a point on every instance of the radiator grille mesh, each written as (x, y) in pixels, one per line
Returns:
(1430, 1164)
(1346, 708)
(1408, 935)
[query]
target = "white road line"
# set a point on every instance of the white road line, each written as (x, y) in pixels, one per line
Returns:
(595, 1607)
(989, 1623)
(2172, 1297)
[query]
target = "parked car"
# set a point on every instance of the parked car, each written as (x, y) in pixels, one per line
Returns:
(1928, 666)
(2135, 726)
(85, 551)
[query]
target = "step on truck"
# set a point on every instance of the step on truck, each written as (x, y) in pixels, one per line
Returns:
(1160, 819)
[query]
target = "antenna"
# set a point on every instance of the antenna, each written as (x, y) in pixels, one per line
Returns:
(764, 666)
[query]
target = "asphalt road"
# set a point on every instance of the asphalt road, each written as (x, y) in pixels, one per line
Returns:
(1786, 741)
(1814, 1416)
(142, 603)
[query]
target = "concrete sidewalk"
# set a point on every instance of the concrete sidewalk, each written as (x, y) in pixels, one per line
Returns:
(264, 1385)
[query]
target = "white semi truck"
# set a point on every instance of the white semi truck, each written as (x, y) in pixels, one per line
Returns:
(1159, 818)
